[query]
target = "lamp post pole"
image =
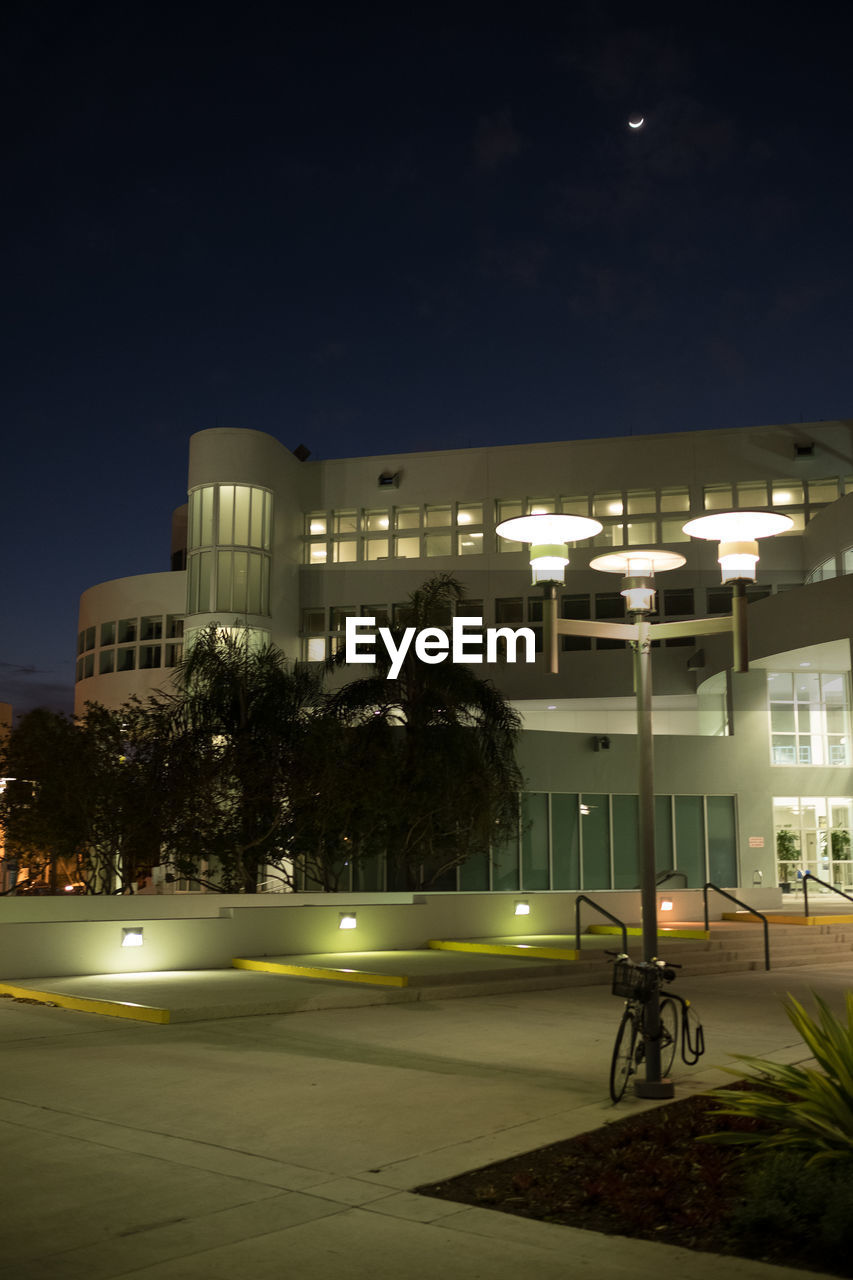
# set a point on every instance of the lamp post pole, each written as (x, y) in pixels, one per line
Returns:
(737, 533)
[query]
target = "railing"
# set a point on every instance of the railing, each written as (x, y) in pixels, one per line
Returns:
(745, 907)
(805, 876)
(613, 919)
(663, 876)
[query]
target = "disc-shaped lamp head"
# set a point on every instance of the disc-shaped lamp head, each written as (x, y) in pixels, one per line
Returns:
(737, 533)
(548, 536)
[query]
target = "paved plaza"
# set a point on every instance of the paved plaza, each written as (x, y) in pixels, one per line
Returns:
(288, 1144)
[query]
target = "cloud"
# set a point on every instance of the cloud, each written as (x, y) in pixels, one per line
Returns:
(496, 141)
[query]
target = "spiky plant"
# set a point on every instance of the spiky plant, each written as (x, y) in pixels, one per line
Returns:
(807, 1109)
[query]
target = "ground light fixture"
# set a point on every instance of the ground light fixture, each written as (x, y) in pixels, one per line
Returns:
(738, 533)
(666, 904)
(131, 938)
(348, 920)
(548, 536)
(522, 908)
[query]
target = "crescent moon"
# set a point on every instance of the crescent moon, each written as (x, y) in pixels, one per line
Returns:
(637, 124)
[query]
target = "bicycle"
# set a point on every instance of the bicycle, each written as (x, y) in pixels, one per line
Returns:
(635, 981)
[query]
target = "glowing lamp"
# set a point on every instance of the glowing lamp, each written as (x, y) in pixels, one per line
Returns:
(638, 569)
(131, 938)
(348, 920)
(666, 904)
(522, 908)
(737, 533)
(548, 536)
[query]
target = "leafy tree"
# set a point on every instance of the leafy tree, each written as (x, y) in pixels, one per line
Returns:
(449, 779)
(237, 728)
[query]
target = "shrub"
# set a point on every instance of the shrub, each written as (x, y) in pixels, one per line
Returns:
(805, 1109)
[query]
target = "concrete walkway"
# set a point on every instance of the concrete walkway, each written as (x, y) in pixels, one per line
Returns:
(288, 1145)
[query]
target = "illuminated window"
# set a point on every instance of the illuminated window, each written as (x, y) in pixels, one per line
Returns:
(345, 552)
(751, 494)
(376, 548)
(375, 522)
(407, 548)
(672, 531)
(607, 504)
(809, 717)
(437, 518)
(407, 518)
(640, 501)
(641, 532)
(345, 521)
(813, 833)
(316, 552)
(717, 497)
(470, 513)
(787, 493)
(675, 500)
(576, 505)
(508, 509)
(316, 524)
(438, 544)
(470, 544)
(823, 490)
(541, 506)
(611, 535)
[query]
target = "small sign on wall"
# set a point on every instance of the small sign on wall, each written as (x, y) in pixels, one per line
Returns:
(756, 842)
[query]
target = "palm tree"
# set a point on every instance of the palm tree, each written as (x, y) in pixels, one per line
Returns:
(238, 721)
(450, 781)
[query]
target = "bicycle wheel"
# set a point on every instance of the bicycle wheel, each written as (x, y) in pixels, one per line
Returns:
(668, 1035)
(622, 1064)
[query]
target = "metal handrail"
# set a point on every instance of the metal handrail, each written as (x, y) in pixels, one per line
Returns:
(663, 876)
(614, 919)
(745, 906)
(806, 876)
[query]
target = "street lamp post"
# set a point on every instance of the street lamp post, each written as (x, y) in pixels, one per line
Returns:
(738, 533)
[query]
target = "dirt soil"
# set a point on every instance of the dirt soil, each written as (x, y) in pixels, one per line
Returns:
(644, 1176)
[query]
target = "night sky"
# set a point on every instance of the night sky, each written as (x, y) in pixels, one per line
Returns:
(372, 230)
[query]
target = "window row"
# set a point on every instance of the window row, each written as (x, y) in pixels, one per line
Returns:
(813, 834)
(835, 566)
(144, 657)
(574, 841)
(809, 718)
(229, 515)
(132, 630)
(234, 582)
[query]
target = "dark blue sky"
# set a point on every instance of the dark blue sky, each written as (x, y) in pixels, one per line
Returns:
(371, 232)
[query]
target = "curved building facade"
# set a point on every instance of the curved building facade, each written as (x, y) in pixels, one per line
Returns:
(291, 548)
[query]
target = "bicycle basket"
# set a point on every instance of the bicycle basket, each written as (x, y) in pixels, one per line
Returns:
(629, 979)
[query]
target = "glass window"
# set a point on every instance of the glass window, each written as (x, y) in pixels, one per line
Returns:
(565, 831)
(242, 501)
(316, 553)
(174, 626)
(345, 521)
(174, 654)
(374, 522)
(339, 614)
(108, 633)
(673, 531)
(125, 659)
(151, 628)
(678, 601)
(595, 841)
(752, 493)
(106, 661)
(81, 641)
(575, 607)
(508, 508)
(127, 630)
(378, 611)
(787, 493)
(675, 499)
(641, 532)
(626, 843)
(79, 670)
(535, 872)
(313, 622)
(470, 513)
(541, 507)
(316, 524)
(640, 501)
(90, 638)
(509, 611)
(612, 535)
(809, 717)
(690, 838)
(200, 517)
(609, 604)
(376, 548)
(470, 544)
(438, 544)
(719, 599)
(407, 548)
(717, 497)
(575, 506)
(437, 518)
(607, 504)
(823, 490)
(149, 656)
(315, 649)
(407, 518)
(225, 532)
(469, 609)
(88, 666)
(345, 552)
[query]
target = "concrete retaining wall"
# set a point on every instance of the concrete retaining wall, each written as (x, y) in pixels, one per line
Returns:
(52, 937)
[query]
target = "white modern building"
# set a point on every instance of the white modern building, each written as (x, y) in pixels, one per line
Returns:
(291, 548)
